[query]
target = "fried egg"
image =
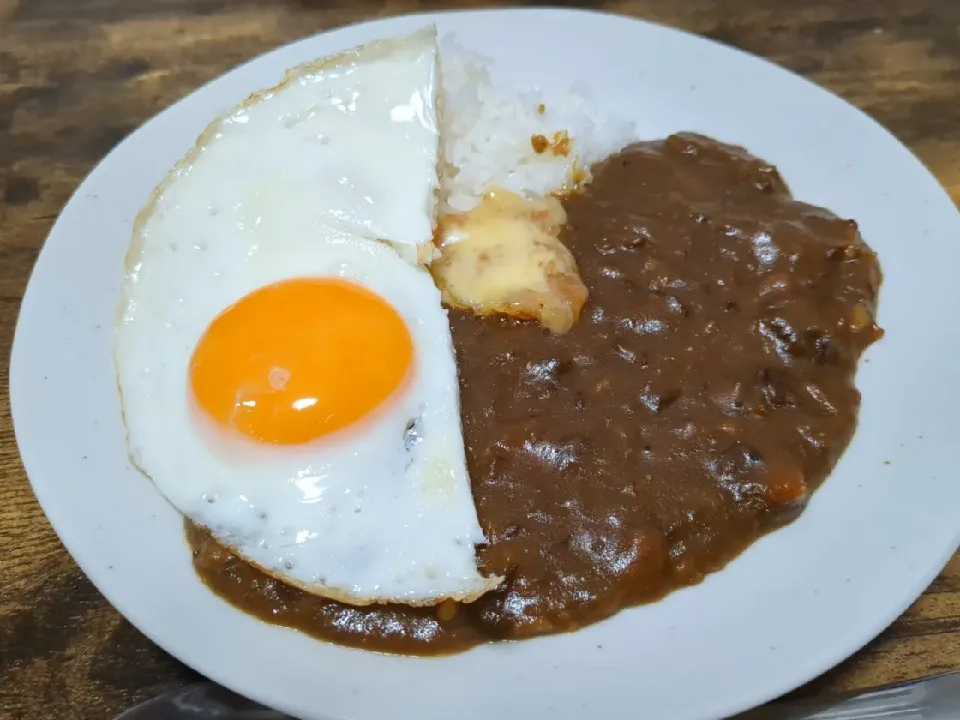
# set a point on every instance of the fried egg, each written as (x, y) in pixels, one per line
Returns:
(287, 378)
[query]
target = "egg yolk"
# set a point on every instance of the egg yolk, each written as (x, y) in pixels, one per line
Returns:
(296, 360)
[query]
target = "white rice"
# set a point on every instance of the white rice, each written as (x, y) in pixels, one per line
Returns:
(487, 134)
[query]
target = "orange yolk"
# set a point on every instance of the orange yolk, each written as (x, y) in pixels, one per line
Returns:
(299, 359)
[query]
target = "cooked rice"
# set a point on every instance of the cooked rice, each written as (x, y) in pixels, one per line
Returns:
(487, 134)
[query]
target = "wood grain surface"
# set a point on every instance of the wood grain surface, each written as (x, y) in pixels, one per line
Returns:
(77, 76)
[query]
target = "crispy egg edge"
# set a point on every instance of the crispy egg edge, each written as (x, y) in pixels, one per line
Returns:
(485, 585)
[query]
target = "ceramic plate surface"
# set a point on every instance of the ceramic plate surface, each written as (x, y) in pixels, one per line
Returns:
(796, 603)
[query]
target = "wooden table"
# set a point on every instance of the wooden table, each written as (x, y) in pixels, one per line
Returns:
(77, 76)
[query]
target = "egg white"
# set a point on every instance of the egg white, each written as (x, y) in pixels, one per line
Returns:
(381, 510)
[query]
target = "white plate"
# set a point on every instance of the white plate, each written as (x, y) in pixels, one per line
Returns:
(795, 604)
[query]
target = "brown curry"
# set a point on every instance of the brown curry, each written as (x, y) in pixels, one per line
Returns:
(706, 391)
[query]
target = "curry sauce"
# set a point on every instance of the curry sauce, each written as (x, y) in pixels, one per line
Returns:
(705, 392)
